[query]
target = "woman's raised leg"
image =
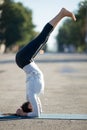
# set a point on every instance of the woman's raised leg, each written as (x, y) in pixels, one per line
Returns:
(63, 13)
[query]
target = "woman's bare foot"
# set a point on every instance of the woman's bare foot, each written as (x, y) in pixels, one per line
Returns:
(67, 13)
(63, 13)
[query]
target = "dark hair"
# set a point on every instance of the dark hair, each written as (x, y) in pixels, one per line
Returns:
(25, 107)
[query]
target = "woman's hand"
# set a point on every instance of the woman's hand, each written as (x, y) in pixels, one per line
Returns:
(20, 112)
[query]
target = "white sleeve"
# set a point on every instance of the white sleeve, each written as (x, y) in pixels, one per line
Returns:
(33, 114)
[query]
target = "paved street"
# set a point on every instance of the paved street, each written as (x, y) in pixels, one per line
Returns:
(65, 91)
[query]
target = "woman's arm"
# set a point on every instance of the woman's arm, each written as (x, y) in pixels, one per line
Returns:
(20, 112)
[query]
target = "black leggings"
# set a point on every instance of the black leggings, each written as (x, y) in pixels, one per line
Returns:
(28, 52)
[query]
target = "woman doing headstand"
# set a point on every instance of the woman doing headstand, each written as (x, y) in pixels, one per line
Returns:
(34, 76)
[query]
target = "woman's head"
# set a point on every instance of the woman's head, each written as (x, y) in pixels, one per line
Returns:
(26, 107)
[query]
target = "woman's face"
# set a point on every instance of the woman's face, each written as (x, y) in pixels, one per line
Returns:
(30, 106)
(27, 107)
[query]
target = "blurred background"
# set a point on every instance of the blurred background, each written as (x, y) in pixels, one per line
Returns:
(21, 21)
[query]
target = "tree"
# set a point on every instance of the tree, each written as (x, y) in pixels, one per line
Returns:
(16, 23)
(74, 32)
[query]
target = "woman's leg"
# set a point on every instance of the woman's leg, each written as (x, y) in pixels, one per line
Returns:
(63, 13)
(25, 55)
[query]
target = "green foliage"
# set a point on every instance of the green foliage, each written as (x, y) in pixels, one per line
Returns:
(74, 32)
(16, 23)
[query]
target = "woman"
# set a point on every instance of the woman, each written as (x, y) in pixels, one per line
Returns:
(34, 76)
